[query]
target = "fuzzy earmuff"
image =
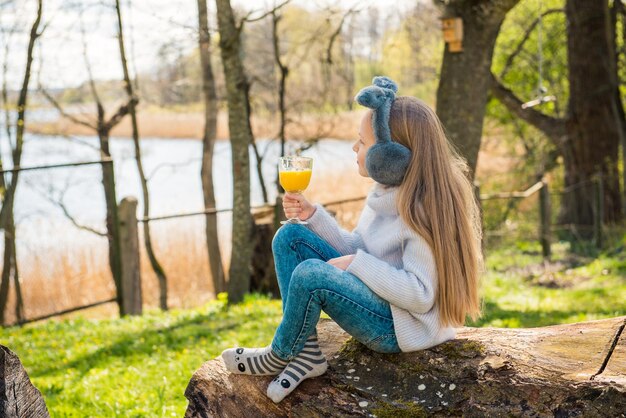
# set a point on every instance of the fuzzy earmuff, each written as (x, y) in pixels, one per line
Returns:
(386, 161)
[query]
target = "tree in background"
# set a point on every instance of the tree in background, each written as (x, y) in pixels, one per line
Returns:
(128, 86)
(218, 283)
(240, 138)
(7, 221)
(465, 76)
(587, 135)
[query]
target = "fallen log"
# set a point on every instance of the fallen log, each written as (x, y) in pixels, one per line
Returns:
(563, 370)
(18, 397)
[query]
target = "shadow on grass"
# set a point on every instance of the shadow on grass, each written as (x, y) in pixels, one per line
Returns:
(176, 337)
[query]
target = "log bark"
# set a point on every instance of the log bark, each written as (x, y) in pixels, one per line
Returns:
(563, 370)
(18, 396)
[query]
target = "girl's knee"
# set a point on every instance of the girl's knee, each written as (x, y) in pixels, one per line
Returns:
(311, 273)
(285, 235)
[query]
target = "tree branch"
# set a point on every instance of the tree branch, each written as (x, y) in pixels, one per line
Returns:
(247, 19)
(63, 113)
(49, 197)
(335, 34)
(553, 127)
(121, 112)
(520, 45)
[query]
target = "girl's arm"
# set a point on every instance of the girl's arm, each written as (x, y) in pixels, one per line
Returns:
(324, 225)
(411, 288)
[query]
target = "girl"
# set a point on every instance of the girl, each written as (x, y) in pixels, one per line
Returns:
(409, 272)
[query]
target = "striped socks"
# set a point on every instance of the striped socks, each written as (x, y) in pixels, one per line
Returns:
(310, 362)
(256, 361)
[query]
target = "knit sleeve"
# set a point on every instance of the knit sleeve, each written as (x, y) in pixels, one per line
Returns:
(324, 225)
(411, 288)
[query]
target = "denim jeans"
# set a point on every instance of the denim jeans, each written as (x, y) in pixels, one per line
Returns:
(308, 284)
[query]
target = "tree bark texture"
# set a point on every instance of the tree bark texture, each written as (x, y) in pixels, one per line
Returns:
(18, 397)
(240, 139)
(499, 372)
(464, 81)
(218, 283)
(154, 263)
(593, 121)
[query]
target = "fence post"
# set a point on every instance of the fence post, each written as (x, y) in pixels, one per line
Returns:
(544, 222)
(598, 215)
(129, 249)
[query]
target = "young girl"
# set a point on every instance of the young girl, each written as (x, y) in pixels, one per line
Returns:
(409, 272)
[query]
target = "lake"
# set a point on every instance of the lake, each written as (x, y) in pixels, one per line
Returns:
(173, 168)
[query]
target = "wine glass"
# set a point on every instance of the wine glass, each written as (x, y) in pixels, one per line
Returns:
(294, 173)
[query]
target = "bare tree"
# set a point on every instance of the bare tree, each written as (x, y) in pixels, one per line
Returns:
(7, 221)
(156, 266)
(240, 138)
(102, 127)
(208, 141)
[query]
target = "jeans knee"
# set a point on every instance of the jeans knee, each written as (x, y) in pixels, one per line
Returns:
(310, 274)
(284, 236)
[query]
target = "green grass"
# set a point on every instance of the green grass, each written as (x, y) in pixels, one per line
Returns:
(140, 366)
(134, 367)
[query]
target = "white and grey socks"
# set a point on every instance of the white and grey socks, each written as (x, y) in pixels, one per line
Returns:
(256, 361)
(310, 362)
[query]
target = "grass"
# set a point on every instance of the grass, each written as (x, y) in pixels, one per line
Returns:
(140, 366)
(522, 290)
(134, 367)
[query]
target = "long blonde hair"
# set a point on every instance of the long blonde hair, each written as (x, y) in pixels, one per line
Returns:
(436, 199)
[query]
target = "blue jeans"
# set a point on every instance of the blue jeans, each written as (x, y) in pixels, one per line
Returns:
(308, 284)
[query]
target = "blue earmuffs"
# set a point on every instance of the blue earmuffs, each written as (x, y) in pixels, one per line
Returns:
(386, 161)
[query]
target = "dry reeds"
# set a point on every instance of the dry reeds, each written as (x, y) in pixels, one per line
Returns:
(160, 123)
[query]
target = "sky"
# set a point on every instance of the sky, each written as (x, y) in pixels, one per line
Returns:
(148, 24)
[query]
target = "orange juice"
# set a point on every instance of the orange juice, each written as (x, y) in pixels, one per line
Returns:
(295, 181)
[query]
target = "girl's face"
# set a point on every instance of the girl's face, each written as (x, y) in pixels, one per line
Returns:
(365, 141)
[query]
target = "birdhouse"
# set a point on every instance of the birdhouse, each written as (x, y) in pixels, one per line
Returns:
(452, 28)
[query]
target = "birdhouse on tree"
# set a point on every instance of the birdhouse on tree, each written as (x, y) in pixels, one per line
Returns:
(452, 28)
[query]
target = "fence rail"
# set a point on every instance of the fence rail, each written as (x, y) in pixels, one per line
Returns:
(43, 167)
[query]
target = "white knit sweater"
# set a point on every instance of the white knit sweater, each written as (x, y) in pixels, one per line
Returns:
(395, 262)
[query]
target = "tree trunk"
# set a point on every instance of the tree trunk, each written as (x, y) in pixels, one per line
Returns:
(563, 370)
(240, 138)
(593, 121)
(112, 217)
(617, 10)
(464, 81)
(18, 397)
(156, 266)
(588, 137)
(218, 283)
(6, 213)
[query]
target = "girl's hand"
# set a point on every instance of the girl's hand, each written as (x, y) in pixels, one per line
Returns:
(341, 262)
(296, 206)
